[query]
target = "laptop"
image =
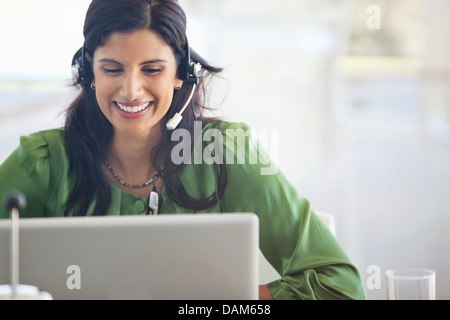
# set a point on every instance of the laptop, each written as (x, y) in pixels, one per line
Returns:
(172, 257)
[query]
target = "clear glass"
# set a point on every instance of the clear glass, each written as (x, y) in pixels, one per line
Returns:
(411, 284)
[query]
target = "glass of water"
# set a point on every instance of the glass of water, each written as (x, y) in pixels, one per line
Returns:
(411, 284)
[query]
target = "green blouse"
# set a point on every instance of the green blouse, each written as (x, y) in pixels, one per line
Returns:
(293, 239)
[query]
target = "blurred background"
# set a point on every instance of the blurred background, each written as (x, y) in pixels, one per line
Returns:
(358, 92)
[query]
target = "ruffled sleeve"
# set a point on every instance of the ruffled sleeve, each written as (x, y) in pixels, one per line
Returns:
(32, 169)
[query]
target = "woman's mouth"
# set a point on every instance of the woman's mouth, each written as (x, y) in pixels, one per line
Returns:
(133, 109)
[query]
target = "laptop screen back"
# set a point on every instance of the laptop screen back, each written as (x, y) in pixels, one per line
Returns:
(189, 256)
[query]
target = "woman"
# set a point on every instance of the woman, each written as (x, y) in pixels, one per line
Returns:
(116, 152)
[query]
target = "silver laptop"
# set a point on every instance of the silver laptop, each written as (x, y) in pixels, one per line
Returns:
(189, 256)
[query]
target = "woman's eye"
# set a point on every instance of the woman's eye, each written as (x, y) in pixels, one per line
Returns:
(112, 71)
(152, 70)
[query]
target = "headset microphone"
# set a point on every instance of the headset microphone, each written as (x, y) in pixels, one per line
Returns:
(192, 76)
(175, 120)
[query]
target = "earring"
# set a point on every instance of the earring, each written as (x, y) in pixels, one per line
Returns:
(92, 86)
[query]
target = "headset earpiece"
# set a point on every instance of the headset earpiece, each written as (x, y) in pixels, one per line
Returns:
(78, 72)
(192, 69)
(194, 73)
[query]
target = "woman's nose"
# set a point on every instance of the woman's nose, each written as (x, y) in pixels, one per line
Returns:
(131, 87)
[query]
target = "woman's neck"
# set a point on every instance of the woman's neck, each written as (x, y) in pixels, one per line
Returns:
(129, 155)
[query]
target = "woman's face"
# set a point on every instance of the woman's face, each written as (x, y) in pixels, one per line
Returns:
(134, 77)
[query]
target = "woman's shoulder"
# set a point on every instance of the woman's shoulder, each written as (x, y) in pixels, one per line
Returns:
(54, 133)
(240, 145)
(224, 125)
(42, 143)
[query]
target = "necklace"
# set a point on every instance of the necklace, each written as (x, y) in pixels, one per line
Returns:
(153, 199)
(133, 186)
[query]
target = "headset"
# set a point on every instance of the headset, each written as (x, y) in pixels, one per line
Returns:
(190, 72)
(78, 73)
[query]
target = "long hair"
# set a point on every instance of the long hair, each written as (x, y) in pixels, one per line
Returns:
(87, 131)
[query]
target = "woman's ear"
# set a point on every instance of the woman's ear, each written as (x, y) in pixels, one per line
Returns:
(178, 84)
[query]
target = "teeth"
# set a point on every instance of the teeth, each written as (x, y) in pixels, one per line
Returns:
(133, 109)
